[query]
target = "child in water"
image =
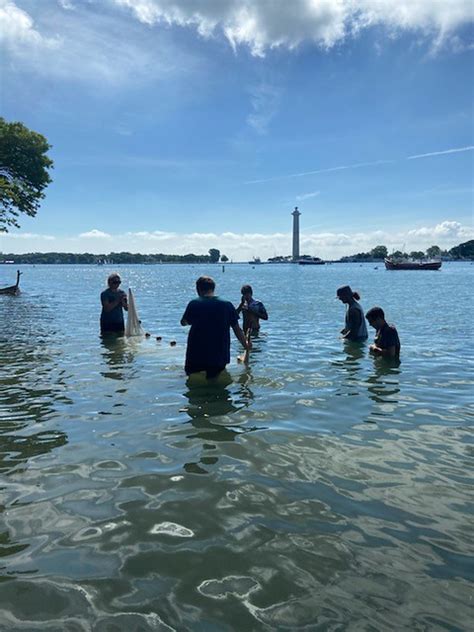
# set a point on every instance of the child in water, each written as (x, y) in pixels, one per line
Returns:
(252, 310)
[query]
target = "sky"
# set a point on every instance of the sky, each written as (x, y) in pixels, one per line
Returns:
(177, 126)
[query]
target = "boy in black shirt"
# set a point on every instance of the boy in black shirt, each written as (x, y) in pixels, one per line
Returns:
(387, 342)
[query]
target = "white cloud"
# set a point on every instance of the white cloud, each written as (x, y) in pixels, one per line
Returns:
(28, 236)
(270, 24)
(244, 246)
(86, 44)
(95, 234)
(18, 34)
(307, 196)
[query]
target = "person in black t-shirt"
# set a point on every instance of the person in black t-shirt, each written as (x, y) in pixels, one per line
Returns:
(114, 301)
(210, 318)
(387, 342)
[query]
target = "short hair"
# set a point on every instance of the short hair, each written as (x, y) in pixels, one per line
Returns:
(204, 284)
(374, 313)
(114, 275)
(246, 289)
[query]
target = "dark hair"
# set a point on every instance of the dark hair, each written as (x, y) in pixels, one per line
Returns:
(346, 290)
(246, 289)
(374, 313)
(204, 284)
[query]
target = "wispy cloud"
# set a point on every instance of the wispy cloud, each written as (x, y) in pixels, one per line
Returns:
(264, 100)
(362, 164)
(442, 153)
(306, 196)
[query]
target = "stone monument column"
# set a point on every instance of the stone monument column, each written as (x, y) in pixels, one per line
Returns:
(296, 234)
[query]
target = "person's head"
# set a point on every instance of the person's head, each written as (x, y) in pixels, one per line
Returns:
(346, 295)
(114, 280)
(205, 285)
(247, 292)
(376, 317)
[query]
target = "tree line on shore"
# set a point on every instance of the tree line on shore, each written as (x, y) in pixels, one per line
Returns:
(464, 251)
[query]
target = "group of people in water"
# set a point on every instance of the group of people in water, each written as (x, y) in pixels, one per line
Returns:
(211, 318)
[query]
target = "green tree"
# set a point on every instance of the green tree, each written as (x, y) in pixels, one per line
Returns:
(214, 254)
(224, 258)
(398, 254)
(379, 252)
(433, 251)
(23, 172)
(417, 254)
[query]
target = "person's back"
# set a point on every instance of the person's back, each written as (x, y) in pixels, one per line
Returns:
(211, 318)
(209, 337)
(355, 322)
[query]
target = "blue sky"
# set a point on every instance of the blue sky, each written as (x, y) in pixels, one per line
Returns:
(179, 126)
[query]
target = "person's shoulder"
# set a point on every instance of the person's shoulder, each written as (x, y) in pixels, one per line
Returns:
(105, 292)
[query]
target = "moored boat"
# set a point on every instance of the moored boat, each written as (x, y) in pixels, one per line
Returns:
(311, 261)
(13, 290)
(412, 264)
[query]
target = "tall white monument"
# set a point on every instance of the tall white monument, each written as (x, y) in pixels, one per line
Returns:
(296, 234)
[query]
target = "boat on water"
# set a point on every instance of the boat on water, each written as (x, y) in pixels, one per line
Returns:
(12, 290)
(412, 264)
(256, 261)
(311, 261)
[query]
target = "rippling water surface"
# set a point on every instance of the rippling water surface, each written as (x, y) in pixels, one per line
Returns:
(319, 489)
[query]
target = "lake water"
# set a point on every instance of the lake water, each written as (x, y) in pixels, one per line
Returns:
(319, 490)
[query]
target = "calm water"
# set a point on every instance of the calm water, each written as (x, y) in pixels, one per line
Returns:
(318, 490)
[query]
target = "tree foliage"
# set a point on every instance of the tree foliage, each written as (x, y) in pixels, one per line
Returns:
(214, 255)
(379, 252)
(433, 251)
(23, 172)
(224, 258)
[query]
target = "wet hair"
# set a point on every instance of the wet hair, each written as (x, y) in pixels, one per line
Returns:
(374, 313)
(113, 276)
(246, 289)
(205, 284)
(345, 290)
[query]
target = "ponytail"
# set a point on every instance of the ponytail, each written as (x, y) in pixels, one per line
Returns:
(356, 295)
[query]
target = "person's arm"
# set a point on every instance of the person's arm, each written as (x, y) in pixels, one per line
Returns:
(240, 307)
(389, 352)
(262, 312)
(239, 334)
(186, 318)
(354, 323)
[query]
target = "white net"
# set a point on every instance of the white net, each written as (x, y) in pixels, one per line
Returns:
(133, 327)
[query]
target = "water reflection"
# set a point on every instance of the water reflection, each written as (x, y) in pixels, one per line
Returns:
(384, 385)
(117, 353)
(210, 402)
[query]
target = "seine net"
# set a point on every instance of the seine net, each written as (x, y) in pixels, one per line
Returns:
(133, 327)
